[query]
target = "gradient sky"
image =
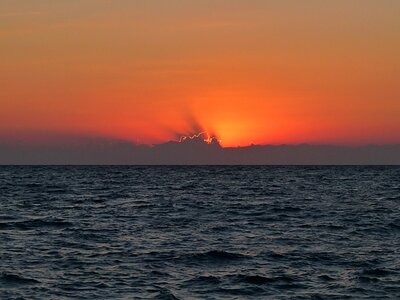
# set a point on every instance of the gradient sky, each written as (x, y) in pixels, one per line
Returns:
(249, 71)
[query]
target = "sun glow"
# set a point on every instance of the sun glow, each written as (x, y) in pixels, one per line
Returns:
(245, 73)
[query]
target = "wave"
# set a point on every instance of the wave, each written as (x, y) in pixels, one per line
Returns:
(286, 209)
(165, 294)
(205, 280)
(34, 224)
(326, 278)
(372, 275)
(394, 225)
(16, 279)
(218, 255)
(375, 272)
(244, 284)
(260, 280)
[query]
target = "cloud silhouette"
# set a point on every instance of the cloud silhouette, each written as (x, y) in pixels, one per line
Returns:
(81, 150)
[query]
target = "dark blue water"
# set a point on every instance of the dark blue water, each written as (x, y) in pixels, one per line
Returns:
(200, 232)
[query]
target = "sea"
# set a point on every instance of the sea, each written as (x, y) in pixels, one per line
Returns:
(199, 232)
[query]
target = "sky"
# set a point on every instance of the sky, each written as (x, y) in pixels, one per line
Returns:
(247, 71)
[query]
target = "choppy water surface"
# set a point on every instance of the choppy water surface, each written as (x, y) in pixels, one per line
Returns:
(200, 232)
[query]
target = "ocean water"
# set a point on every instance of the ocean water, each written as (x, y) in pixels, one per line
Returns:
(199, 232)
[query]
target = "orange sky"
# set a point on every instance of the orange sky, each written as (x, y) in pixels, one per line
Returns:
(250, 71)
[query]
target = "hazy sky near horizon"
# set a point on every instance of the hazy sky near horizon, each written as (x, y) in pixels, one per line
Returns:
(249, 71)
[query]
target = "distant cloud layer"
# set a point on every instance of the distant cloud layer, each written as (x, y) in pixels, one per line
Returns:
(81, 151)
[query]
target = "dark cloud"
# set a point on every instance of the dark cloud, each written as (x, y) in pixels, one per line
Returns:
(103, 151)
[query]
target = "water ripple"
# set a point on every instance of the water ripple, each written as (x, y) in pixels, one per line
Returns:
(199, 232)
